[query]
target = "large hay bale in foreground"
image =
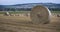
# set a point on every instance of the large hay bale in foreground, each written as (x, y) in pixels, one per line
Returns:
(40, 14)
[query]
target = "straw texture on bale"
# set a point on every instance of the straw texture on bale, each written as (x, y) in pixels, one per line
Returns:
(40, 14)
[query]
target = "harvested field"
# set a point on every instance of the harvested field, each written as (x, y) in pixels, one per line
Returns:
(24, 24)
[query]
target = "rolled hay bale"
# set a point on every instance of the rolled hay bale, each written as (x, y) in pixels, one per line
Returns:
(7, 14)
(55, 19)
(58, 15)
(19, 14)
(12, 15)
(40, 14)
(27, 14)
(16, 14)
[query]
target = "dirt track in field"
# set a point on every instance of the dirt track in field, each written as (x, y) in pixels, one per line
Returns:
(24, 24)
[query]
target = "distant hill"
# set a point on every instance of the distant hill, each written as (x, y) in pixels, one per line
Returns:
(29, 6)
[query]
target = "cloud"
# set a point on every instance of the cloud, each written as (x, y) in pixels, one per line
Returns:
(9, 2)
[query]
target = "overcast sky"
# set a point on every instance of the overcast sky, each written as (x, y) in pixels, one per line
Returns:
(10, 2)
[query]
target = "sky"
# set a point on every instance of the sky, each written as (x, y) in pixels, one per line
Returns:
(11, 2)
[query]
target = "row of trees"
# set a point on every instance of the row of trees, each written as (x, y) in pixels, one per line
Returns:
(15, 9)
(55, 9)
(25, 9)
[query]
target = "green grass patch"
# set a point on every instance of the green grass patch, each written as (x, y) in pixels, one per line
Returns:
(55, 11)
(15, 12)
(2, 12)
(20, 12)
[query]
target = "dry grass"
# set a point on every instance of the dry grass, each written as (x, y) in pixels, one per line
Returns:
(23, 24)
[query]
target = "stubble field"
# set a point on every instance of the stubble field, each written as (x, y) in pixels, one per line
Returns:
(24, 24)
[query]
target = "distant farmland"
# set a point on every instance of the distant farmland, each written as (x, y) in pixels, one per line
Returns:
(20, 12)
(14, 12)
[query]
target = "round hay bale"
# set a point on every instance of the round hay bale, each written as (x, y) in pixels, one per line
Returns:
(40, 14)
(7, 14)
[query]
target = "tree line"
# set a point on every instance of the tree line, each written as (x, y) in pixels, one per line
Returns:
(25, 9)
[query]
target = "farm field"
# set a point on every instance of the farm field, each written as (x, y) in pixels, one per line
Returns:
(14, 12)
(19, 12)
(24, 24)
